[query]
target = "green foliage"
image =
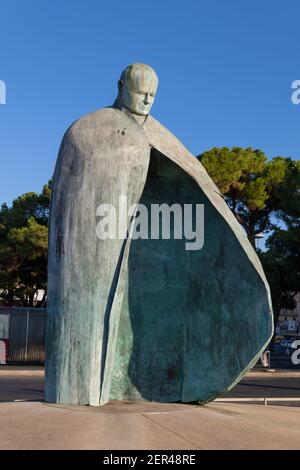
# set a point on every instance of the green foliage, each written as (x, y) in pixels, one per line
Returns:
(264, 195)
(24, 246)
(282, 266)
(257, 190)
(287, 194)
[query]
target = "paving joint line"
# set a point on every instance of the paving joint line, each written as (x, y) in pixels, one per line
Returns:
(197, 447)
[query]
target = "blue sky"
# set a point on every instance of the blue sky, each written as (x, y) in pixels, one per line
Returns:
(225, 69)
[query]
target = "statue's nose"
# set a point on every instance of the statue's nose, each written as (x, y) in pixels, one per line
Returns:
(146, 99)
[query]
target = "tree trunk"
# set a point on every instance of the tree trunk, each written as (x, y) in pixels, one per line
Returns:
(10, 297)
(251, 231)
(31, 300)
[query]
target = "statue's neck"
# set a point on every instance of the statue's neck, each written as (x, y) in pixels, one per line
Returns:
(139, 119)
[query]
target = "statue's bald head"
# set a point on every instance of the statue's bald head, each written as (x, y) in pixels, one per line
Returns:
(137, 88)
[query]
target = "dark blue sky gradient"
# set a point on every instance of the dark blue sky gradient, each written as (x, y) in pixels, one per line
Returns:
(225, 69)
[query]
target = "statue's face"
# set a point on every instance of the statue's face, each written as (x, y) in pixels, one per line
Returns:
(139, 91)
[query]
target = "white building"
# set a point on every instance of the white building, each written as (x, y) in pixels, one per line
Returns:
(289, 320)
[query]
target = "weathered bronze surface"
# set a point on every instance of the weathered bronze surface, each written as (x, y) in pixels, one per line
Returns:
(145, 319)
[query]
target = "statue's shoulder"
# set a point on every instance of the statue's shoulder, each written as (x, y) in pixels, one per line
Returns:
(99, 118)
(152, 125)
(161, 138)
(169, 145)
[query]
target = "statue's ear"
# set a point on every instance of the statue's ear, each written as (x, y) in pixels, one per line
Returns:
(120, 85)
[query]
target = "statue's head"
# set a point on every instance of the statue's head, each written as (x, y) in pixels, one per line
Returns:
(137, 88)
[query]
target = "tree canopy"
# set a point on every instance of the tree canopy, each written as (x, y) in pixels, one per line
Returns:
(23, 247)
(282, 267)
(258, 191)
(264, 195)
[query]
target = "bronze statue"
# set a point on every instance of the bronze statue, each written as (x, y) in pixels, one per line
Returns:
(136, 318)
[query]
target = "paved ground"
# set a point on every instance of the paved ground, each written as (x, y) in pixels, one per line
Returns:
(149, 426)
(28, 423)
(267, 386)
(28, 384)
(21, 384)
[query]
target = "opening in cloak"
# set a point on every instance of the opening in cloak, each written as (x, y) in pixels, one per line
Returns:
(190, 321)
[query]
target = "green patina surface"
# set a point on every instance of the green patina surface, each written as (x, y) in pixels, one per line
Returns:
(145, 319)
(191, 321)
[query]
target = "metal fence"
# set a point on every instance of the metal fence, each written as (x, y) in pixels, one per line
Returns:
(23, 329)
